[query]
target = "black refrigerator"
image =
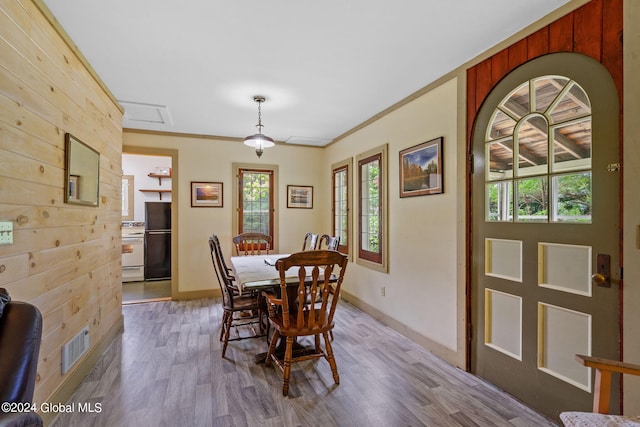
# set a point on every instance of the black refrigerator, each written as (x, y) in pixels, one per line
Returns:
(157, 241)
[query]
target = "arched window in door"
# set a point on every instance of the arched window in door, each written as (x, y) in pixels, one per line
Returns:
(538, 146)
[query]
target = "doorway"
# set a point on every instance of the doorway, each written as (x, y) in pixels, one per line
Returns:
(545, 215)
(149, 219)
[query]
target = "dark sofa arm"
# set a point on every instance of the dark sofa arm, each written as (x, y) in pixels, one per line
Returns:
(17, 419)
(20, 335)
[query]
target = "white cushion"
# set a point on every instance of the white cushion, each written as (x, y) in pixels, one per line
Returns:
(589, 419)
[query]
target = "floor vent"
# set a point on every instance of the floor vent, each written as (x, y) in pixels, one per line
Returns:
(74, 349)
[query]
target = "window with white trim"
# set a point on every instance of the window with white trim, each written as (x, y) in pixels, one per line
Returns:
(538, 146)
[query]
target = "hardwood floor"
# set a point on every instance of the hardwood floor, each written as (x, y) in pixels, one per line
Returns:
(166, 370)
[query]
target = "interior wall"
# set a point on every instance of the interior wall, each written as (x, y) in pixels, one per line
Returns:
(425, 281)
(202, 159)
(140, 166)
(65, 259)
(631, 177)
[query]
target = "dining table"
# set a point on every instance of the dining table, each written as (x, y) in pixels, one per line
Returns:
(258, 273)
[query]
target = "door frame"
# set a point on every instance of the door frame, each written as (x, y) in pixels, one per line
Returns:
(175, 185)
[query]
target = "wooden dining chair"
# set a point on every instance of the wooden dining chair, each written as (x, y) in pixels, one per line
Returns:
(252, 243)
(601, 395)
(233, 303)
(310, 241)
(331, 243)
(316, 281)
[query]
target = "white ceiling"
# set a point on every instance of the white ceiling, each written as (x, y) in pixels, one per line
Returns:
(324, 66)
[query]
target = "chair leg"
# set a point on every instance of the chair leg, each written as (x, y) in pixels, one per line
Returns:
(260, 325)
(223, 324)
(288, 355)
(227, 329)
(331, 359)
(317, 341)
(272, 348)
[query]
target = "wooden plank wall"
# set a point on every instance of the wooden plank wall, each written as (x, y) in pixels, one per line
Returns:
(65, 259)
(582, 31)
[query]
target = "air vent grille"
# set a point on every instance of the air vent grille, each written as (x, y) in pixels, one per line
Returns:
(74, 349)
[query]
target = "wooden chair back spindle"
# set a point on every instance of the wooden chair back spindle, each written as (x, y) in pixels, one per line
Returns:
(252, 243)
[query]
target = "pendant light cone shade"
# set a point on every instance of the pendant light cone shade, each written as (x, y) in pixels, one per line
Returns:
(258, 140)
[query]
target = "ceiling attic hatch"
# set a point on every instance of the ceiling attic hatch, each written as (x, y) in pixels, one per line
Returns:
(141, 115)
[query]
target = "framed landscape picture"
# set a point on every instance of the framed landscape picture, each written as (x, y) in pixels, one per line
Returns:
(299, 196)
(421, 169)
(206, 194)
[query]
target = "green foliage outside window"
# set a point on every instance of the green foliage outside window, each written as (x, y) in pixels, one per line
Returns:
(255, 202)
(371, 206)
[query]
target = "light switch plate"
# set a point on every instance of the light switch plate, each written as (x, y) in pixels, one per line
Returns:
(6, 233)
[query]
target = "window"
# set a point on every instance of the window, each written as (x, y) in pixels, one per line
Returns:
(340, 203)
(372, 208)
(538, 143)
(255, 201)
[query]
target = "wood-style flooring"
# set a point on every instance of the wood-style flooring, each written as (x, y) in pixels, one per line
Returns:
(166, 370)
(150, 290)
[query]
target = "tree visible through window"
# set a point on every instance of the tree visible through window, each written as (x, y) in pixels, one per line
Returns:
(255, 207)
(371, 208)
(340, 205)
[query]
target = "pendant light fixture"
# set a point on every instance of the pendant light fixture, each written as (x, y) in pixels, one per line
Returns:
(258, 140)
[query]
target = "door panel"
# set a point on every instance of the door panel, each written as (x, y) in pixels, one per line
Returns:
(544, 206)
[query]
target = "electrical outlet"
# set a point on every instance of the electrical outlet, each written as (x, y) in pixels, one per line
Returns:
(6, 233)
(382, 291)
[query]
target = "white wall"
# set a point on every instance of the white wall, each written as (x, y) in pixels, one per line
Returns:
(204, 159)
(140, 166)
(426, 234)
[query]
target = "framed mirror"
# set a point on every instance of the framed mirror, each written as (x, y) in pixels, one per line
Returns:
(82, 172)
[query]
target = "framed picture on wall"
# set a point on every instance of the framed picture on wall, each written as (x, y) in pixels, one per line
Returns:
(300, 196)
(206, 194)
(421, 169)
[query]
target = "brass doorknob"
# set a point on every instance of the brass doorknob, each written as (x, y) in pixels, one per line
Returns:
(599, 279)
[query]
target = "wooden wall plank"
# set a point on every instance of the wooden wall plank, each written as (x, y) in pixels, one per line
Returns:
(587, 29)
(499, 66)
(538, 43)
(483, 81)
(14, 140)
(612, 42)
(14, 268)
(561, 34)
(517, 54)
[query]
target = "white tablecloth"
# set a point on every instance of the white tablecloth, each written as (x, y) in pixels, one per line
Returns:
(253, 272)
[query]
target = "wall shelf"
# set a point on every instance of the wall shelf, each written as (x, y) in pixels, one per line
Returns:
(160, 192)
(153, 175)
